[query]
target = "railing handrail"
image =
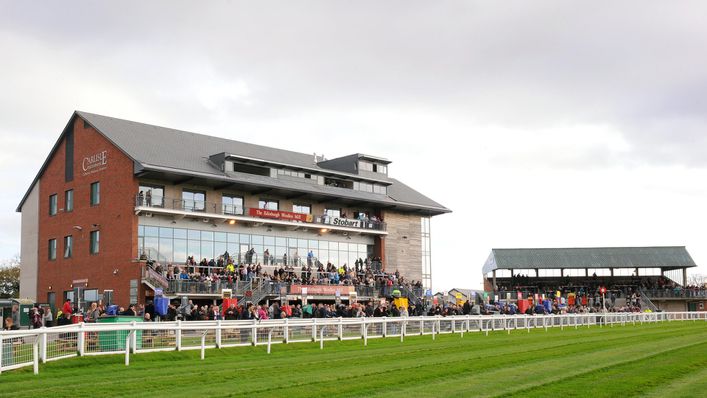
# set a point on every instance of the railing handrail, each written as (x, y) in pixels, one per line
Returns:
(89, 335)
(223, 209)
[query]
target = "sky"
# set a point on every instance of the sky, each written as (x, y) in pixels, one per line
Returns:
(540, 124)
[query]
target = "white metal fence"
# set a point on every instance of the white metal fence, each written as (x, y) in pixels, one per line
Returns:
(30, 347)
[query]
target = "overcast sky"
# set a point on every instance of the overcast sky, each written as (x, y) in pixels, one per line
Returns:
(540, 124)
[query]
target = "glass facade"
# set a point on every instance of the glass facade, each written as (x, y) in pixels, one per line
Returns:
(426, 253)
(174, 245)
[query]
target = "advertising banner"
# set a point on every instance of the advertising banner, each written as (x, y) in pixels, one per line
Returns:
(280, 215)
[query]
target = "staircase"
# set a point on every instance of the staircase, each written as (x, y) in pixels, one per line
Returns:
(646, 303)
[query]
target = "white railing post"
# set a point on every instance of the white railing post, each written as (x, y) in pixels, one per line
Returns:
(341, 329)
(178, 336)
(434, 323)
(321, 338)
(35, 355)
(43, 348)
(81, 340)
(385, 326)
(127, 348)
(365, 332)
(203, 343)
(286, 330)
(270, 339)
(314, 329)
(453, 326)
(402, 330)
(134, 337)
(218, 333)
(255, 332)
(422, 327)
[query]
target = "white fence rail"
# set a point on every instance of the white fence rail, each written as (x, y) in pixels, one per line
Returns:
(30, 347)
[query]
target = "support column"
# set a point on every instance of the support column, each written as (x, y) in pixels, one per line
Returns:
(684, 276)
(494, 281)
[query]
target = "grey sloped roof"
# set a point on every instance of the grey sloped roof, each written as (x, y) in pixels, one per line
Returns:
(183, 150)
(590, 257)
(166, 149)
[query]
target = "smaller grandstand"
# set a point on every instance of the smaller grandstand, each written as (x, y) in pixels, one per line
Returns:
(635, 278)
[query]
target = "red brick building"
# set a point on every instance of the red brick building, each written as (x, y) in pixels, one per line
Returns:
(113, 191)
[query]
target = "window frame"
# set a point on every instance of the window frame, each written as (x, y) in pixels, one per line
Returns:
(262, 201)
(236, 210)
(194, 201)
(53, 205)
(294, 205)
(68, 246)
(69, 200)
(94, 242)
(51, 249)
(94, 198)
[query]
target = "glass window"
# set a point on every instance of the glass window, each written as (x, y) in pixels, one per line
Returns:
(194, 249)
(383, 169)
(90, 295)
(232, 204)
(52, 205)
(194, 234)
(140, 230)
(245, 239)
(365, 187)
(257, 239)
(302, 208)
(207, 249)
(220, 237)
(180, 251)
(365, 166)
(193, 200)
(69, 200)
(166, 232)
(280, 241)
(152, 195)
(95, 242)
(333, 212)
(232, 238)
(380, 189)
(68, 246)
(207, 235)
(95, 193)
(269, 241)
(151, 231)
(268, 204)
(165, 254)
(180, 233)
(52, 249)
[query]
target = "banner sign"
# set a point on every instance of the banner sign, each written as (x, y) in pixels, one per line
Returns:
(342, 222)
(279, 215)
(322, 290)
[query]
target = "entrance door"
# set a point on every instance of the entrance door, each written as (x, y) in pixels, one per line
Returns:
(692, 306)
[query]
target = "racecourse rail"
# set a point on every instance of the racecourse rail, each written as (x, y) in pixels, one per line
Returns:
(30, 347)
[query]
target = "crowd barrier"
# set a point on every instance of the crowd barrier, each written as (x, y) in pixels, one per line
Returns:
(30, 347)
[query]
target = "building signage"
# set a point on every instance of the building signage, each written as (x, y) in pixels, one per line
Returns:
(95, 163)
(280, 215)
(343, 222)
(321, 290)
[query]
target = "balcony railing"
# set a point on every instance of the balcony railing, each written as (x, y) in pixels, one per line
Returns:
(197, 206)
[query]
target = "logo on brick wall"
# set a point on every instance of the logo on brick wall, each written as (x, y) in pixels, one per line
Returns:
(95, 163)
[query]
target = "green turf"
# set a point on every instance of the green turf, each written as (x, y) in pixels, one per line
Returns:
(658, 360)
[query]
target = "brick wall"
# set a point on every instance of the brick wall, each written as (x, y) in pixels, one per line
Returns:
(114, 218)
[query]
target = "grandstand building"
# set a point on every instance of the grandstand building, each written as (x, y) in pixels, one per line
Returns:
(114, 193)
(658, 275)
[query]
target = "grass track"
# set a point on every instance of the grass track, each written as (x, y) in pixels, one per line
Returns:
(648, 360)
